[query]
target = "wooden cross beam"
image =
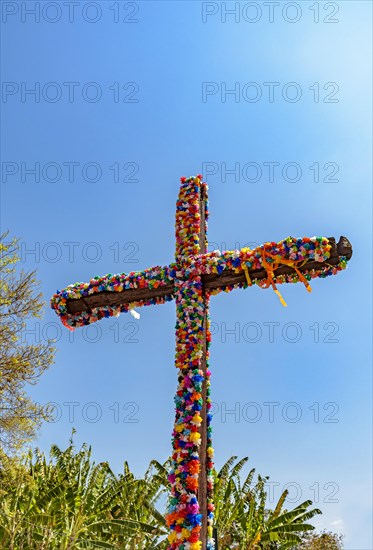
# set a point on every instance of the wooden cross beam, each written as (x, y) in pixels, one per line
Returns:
(213, 281)
(194, 276)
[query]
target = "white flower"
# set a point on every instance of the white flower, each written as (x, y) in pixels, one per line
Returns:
(135, 314)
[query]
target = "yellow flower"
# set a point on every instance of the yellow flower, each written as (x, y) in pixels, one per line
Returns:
(172, 538)
(197, 419)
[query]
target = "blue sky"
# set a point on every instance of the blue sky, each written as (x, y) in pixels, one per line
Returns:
(127, 107)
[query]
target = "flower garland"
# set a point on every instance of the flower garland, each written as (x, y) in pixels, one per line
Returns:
(184, 517)
(151, 278)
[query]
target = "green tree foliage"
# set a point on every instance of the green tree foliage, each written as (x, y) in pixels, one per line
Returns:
(321, 541)
(68, 502)
(20, 363)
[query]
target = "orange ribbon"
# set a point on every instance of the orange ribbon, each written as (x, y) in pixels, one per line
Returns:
(271, 267)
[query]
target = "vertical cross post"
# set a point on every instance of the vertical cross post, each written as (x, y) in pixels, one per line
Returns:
(190, 514)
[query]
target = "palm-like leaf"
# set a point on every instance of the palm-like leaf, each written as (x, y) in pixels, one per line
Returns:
(242, 518)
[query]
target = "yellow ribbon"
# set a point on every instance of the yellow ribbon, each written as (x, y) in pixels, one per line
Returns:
(246, 271)
(281, 298)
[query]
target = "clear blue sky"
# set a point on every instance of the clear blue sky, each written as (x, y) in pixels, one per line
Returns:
(318, 365)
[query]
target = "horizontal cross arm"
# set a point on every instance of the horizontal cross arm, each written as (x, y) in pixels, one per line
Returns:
(84, 303)
(338, 252)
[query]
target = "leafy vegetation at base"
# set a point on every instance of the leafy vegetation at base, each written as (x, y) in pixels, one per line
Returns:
(66, 501)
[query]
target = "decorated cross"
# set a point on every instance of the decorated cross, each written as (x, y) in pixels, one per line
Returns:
(194, 276)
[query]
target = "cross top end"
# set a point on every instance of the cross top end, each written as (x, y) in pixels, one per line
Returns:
(191, 218)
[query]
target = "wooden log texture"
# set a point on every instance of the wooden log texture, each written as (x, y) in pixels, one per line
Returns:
(213, 281)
